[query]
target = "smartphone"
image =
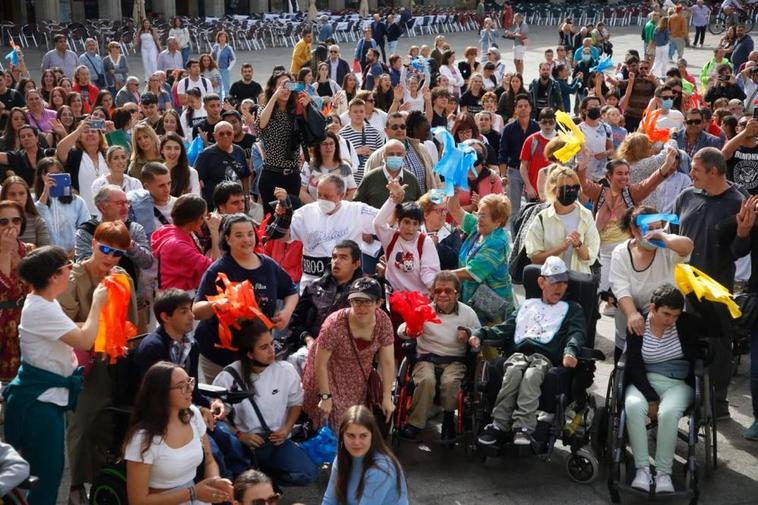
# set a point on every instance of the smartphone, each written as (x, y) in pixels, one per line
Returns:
(62, 185)
(755, 112)
(297, 87)
(97, 124)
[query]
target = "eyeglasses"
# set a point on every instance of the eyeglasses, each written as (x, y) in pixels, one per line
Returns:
(397, 127)
(371, 100)
(223, 134)
(271, 500)
(445, 291)
(440, 210)
(185, 386)
(547, 122)
(693, 121)
(108, 250)
(5, 221)
(333, 52)
(667, 97)
(327, 144)
(644, 69)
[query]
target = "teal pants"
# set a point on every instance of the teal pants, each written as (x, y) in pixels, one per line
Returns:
(675, 397)
(42, 446)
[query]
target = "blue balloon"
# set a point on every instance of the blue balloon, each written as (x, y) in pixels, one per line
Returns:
(322, 448)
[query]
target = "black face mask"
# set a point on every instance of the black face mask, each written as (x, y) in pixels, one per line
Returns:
(568, 195)
(593, 113)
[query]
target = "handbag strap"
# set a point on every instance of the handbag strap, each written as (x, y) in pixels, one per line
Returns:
(238, 380)
(354, 347)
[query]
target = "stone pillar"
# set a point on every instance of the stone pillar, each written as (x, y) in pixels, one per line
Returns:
(110, 9)
(214, 8)
(258, 6)
(167, 8)
(77, 11)
(336, 5)
(48, 9)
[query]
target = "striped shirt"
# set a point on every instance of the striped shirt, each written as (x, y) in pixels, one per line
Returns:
(659, 350)
(368, 136)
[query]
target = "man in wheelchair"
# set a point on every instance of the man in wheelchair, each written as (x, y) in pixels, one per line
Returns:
(542, 333)
(660, 381)
(441, 347)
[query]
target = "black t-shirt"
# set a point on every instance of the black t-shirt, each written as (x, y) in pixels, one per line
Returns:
(11, 98)
(214, 165)
(206, 127)
(438, 120)
(541, 95)
(241, 91)
(246, 144)
(18, 163)
(270, 282)
(472, 103)
(742, 169)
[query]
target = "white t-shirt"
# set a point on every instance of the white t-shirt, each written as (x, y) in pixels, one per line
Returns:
(42, 325)
(596, 137)
(187, 84)
(570, 224)
(197, 117)
(319, 233)
(674, 119)
(171, 468)
(310, 176)
(276, 389)
(378, 120)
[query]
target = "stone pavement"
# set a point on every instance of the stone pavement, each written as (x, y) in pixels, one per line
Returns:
(440, 476)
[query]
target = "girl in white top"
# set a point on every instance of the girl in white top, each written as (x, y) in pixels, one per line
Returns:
(638, 267)
(35, 425)
(182, 36)
(117, 160)
(166, 443)
(449, 69)
(184, 178)
(326, 159)
(150, 45)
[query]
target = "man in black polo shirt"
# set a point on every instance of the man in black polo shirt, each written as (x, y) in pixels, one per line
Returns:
(222, 161)
(245, 87)
(511, 140)
(212, 105)
(241, 138)
(9, 98)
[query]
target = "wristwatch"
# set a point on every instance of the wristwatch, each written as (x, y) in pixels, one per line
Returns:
(325, 396)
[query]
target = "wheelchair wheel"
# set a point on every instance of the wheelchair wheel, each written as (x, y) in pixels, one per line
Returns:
(600, 433)
(582, 466)
(109, 488)
(717, 25)
(709, 423)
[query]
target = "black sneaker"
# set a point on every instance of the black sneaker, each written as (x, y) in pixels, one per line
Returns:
(492, 435)
(409, 432)
(448, 427)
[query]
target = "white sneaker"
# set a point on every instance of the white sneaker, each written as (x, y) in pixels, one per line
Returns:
(521, 438)
(642, 479)
(609, 310)
(663, 483)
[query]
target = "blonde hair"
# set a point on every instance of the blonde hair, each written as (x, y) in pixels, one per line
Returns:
(635, 147)
(146, 129)
(499, 207)
(555, 176)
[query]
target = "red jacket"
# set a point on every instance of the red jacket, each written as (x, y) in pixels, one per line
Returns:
(181, 263)
(91, 91)
(289, 255)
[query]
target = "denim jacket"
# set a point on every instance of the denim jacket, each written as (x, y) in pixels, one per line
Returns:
(141, 210)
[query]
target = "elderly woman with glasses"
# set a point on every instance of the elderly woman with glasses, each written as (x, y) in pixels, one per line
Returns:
(445, 236)
(129, 93)
(48, 382)
(109, 244)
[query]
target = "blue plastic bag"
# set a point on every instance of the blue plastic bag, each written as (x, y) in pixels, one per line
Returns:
(455, 162)
(644, 220)
(195, 148)
(322, 449)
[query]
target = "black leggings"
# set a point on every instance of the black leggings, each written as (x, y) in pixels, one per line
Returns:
(699, 35)
(271, 180)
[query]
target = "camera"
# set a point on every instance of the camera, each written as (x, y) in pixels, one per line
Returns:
(296, 87)
(97, 124)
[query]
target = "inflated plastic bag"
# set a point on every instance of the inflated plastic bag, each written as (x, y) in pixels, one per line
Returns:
(322, 449)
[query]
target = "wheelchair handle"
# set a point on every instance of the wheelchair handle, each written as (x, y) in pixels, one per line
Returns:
(223, 394)
(590, 354)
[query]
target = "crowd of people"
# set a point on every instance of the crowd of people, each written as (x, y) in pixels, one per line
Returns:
(320, 187)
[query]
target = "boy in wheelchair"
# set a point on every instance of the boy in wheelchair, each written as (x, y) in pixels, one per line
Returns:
(440, 347)
(542, 333)
(660, 381)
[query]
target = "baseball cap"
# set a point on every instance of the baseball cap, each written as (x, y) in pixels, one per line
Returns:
(554, 270)
(365, 288)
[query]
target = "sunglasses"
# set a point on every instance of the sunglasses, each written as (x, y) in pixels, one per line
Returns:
(547, 122)
(667, 97)
(445, 291)
(224, 134)
(66, 265)
(5, 221)
(397, 127)
(271, 500)
(108, 250)
(694, 121)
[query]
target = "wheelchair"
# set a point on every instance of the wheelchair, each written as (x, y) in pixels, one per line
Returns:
(701, 421)
(566, 410)
(467, 423)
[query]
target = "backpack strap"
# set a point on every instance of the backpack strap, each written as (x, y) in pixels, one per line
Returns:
(600, 199)
(391, 245)
(419, 245)
(241, 385)
(626, 195)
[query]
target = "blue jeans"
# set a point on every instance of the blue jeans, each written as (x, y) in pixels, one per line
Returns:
(228, 451)
(392, 47)
(185, 55)
(754, 371)
(287, 463)
(515, 191)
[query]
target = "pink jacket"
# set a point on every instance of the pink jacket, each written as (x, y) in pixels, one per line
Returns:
(181, 264)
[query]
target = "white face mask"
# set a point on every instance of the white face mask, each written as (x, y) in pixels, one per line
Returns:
(326, 206)
(550, 134)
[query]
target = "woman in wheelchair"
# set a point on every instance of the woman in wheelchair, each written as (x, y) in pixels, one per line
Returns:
(440, 347)
(544, 332)
(660, 382)
(264, 421)
(166, 443)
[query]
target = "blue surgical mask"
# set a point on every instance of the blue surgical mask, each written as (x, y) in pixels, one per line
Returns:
(667, 103)
(394, 162)
(586, 57)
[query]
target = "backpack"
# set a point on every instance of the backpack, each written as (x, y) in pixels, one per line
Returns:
(203, 81)
(391, 246)
(626, 195)
(519, 260)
